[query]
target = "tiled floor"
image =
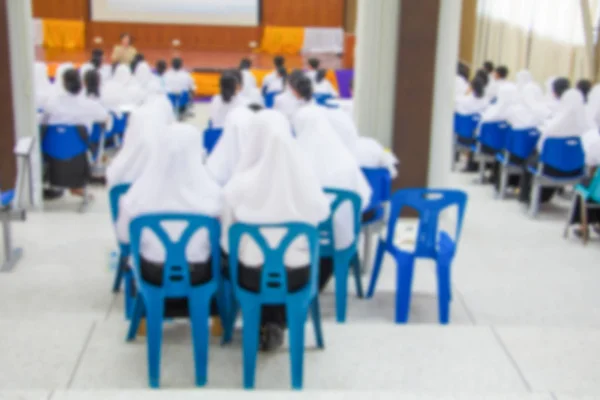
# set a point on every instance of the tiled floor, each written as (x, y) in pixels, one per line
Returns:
(525, 321)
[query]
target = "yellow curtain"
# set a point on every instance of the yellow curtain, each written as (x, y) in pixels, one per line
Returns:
(332, 78)
(63, 34)
(260, 74)
(207, 83)
(278, 40)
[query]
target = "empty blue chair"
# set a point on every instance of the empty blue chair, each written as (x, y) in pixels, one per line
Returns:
(380, 181)
(123, 271)
(211, 137)
(343, 259)
(274, 291)
(519, 143)
(584, 195)
(491, 138)
(464, 127)
(270, 99)
(176, 283)
(563, 154)
(431, 243)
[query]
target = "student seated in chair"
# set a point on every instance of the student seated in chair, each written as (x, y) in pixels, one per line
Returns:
(272, 185)
(122, 90)
(500, 78)
(278, 62)
(569, 120)
(313, 69)
(286, 102)
(584, 86)
(174, 181)
(229, 99)
(322, 86)
(178, 80)
(555, 88)
(249, 88)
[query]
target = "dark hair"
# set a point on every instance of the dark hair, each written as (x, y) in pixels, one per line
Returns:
(294, 76)
(72, 81)
(176, 63)
(478, 87)
(303, 88)
(92, 82)
(238, 76)
(96, 62)
(584, 87)
(462, 70)
(161, 67)
(283, 74)
(125, 34)
(560, 86)
(97, 53)
(245, 63)
(502, 72)
(255, 107)
(228, 84)
(314, 63)
(488, 67)
(321, 75)
(138, 58)
(483, 76)
(279, 62)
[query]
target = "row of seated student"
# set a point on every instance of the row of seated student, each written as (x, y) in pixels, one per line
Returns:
(266, 168)
(561, 112)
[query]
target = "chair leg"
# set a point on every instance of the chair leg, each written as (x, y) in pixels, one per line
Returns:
(315, 311)
(481, 171)
(357, 276)
(571, 214)
(199, 313)
(404, 277)
(584, 221)
(251, 328)
(376, 268)
(444, 288)
(129, 292)
(296, 315)
(118, 277)
(503, 182)
(154, 320)
(340, 267)
(535, 199)
(232, 312)
(136, 317)
(367, 245)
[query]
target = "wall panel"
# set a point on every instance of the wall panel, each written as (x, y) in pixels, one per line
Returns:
(303, 12)
(8, 163)
(61, 9)
(467, 31)
(159, 36)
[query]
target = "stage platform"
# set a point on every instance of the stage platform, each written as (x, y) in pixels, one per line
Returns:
(206, 67)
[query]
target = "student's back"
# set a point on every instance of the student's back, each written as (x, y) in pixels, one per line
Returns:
(226, 101)
(177, 79)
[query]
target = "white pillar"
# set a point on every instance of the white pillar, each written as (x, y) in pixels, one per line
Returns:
(375, 68)
(440, 148)
(21, 42)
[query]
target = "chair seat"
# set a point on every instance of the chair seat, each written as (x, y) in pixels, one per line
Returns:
(534, 171)
(7, 197)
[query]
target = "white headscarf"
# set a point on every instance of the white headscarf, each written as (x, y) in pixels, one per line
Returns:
(59, 83)
(507, 98)
(273, 184)
(590, 142)
(461, 85)
(335, 166)
(523, 78)
(174, 180)
(144, 75)
(531, 109)
(42, 85)
(569, 120)
(287, 103)
(157, 97)
(592, 108)
(225, 156)
(122, 90)
(141, 138)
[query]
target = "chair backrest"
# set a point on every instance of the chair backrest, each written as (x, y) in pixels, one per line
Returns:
(63, 142)
(493, 134)
(429, 203)
(270, 99)
(211, 137)
(274, 285)
(321, 98)
(380, 181)
(563, 154)
(594, 188)
(522, 142)
(6, 197)
(465, 125)
(176, 270)
(97, 130)
(185, 98)
(326, 231)
(175, 99)
(114, 196)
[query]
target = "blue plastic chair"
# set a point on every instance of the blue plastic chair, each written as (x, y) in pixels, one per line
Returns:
(322, 98)
(150, 300)
(464, 127)
(211, 137)
(270, 99)
(175, 99)
(519, 143)
(491, 135)
(438, 246)
(380, 181)
(589, 198)
(123, 272)
(274, 291)
(343, 259)
(64, 142)
(563, 154)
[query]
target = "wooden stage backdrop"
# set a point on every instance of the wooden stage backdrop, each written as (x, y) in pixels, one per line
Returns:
(320, 13)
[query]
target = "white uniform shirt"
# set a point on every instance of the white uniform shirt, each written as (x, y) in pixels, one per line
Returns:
(178, 81)
(325, 87)
(219, 109)
(70, 109)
